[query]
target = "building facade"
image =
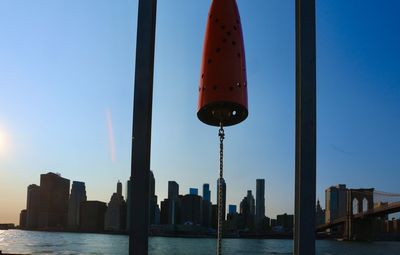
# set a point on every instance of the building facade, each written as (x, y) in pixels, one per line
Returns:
(115, 216)
(260, 202)
(91, 216)
(335, 202)
(78, 195)
(54, 197)
(32, 206)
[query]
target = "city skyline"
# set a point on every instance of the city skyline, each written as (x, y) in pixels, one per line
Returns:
(67, 86)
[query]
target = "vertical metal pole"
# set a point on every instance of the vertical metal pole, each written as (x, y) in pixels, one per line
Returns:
(304, 232)
(141, 132)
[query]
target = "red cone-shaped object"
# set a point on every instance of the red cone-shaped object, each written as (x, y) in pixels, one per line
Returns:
(223, 82)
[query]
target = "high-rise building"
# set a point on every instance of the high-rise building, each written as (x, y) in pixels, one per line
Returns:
(319, 214)
(78, 194)
(191, 210)
(173, 190)
(115, 217)
(207, 213)
(206, 192)
(153, 199)
(194, 191)
(286, 221)
(260, 202)
(223, 197)
(32, 206)
(169, 207)
(335, 202)
(22, 219)
(54, 197)
(92, 216)
(232, 219)
(232, 209)
(247, 210)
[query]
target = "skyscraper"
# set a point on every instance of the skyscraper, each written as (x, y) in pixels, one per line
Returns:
(54, 197)
(153, 199)
(173, 190)
(32, 206)
(232, 209)
(335, 202)
(206, 192)
(92, 216)
(193, 191)
(22, 219)
(223, 197)
(260, 201)
(319, 214)
(78, 194)
(247, 209)
(207, 213)
(115, 217)
(191, 209)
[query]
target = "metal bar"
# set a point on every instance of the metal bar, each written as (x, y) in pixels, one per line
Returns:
(141, 131)
(305, 179)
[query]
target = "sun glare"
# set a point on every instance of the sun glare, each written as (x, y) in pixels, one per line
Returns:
(2, 143)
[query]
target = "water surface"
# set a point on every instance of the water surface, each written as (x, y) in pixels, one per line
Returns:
(33, 242)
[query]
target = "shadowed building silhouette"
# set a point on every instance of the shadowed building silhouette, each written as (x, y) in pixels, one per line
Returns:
(92, 216)
(32, 206)
(78, 195)
(54, 196)
(115, 217)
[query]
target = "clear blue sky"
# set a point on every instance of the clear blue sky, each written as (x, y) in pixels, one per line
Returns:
(66, 77)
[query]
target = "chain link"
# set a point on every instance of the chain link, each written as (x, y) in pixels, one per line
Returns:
(221, 135)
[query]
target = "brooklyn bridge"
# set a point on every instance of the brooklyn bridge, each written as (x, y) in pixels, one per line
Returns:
(360, 214)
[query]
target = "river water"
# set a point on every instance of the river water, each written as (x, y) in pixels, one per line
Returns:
(32, 242)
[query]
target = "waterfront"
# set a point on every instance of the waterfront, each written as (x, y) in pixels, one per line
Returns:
(32, 242)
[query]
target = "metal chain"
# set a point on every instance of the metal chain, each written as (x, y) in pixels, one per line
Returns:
(221, 135)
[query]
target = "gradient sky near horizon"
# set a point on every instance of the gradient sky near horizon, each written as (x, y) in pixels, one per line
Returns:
(66, 94)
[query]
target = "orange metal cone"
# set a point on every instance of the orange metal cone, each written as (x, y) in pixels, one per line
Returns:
(223, 82)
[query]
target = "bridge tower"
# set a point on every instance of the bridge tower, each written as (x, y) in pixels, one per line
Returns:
(360, 228)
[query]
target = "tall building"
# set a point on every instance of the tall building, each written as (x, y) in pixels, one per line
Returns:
(115, 217)
(260, 202)
(206, 192)
(153, 199)
(232, 209)
(247, 211)
(319, 214)
(194, 191)
(32, 206)
(173, 190)
(92, 216)
(191, 210)
(78, 194)
(335, 202)
(22, 219)
(223, 197)
(286, 221)
(169, 207)
(54, 197)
